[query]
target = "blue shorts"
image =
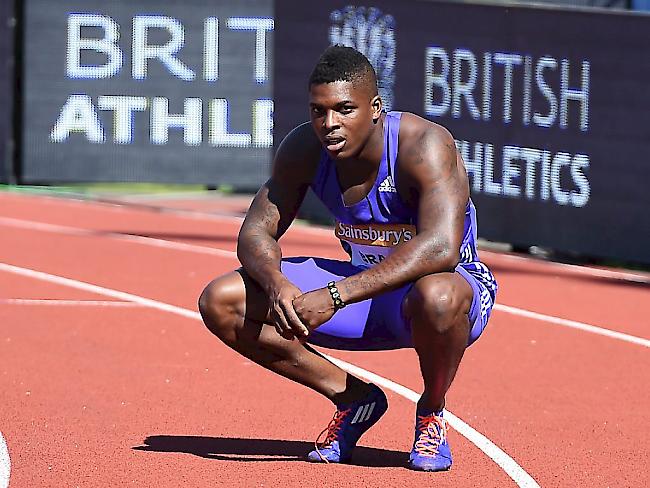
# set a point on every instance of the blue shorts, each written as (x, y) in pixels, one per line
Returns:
(377, 323)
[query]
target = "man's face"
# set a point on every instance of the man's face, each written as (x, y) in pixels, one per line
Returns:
(342, 116)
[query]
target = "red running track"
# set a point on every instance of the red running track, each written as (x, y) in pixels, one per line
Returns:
(121, 394)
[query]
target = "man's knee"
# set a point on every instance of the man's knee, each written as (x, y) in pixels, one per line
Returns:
(222, 306)
(438, 303)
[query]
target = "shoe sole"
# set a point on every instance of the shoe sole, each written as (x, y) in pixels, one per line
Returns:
(412, 468)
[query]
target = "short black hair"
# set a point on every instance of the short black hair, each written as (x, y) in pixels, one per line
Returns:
(342, 63)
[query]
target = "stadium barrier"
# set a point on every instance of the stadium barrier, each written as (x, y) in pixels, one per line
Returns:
(143, 90)
(549, 107)
(7, 171)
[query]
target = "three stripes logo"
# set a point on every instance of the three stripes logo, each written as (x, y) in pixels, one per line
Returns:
(363, 413)
(387, 185)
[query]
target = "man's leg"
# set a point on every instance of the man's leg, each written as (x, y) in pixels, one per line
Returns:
(436, 308)
(234, 308)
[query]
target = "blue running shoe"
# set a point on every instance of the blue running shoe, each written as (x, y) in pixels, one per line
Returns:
(430, 448)
(350, 422)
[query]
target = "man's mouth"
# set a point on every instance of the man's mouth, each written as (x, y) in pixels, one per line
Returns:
(334, 144)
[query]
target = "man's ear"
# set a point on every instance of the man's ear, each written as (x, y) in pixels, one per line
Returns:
(377, 106)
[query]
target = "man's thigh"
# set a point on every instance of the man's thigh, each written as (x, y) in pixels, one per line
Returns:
(481, 307)
(376, 324)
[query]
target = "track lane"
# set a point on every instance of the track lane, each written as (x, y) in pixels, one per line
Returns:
(108, 341)
(215, 251)
(575, 299)
(608, 330)
(624, 475)
(483, 406)
(13, 286)
(216, 231)
(510, 467)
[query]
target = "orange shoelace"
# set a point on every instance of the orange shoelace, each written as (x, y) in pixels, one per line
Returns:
(433, 433)
(332, 431)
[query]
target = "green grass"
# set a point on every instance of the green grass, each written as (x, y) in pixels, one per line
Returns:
(117, 188)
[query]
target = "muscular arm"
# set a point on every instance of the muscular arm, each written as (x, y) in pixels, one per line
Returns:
(275, 206)
(434, 181)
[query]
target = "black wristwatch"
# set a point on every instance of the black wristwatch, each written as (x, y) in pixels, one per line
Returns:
(336, 296)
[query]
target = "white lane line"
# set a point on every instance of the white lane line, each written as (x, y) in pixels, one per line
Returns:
(491, 450)
(573, 268)
(511, 468)
(121, 206)
(57, 302)
(574, 325)
(151, 241)
(117, 205)
(5, 463)
(179, 195)
(100, 290)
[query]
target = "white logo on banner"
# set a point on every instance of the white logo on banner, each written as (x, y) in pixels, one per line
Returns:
(371, 32)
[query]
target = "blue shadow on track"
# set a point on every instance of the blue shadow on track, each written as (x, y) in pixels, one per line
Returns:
(260, 450)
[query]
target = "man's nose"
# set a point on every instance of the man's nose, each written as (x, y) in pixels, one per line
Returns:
(331, 120)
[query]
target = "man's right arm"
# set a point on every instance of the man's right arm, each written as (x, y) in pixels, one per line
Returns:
(269, 216)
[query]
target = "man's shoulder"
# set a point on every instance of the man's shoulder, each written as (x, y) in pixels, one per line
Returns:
(427, 154)
(415, 130)
(298, 155)
(421, 140)
(300, 143)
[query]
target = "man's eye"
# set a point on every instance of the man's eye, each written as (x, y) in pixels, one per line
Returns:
(346, 110)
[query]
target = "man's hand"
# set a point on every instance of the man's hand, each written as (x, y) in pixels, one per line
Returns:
(314, 308)
(282, 313)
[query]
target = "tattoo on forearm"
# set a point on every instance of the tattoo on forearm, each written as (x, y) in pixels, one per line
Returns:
(404, 265)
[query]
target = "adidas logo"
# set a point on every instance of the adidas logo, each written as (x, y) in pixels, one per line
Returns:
(387, 185)
(363, 413)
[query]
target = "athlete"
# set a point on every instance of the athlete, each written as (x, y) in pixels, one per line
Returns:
(399, 192)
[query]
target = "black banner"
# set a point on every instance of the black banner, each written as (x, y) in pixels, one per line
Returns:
(550, 108)
(6, 91)
(144, 90)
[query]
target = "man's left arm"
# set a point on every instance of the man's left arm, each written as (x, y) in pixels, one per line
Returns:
(437, 183)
